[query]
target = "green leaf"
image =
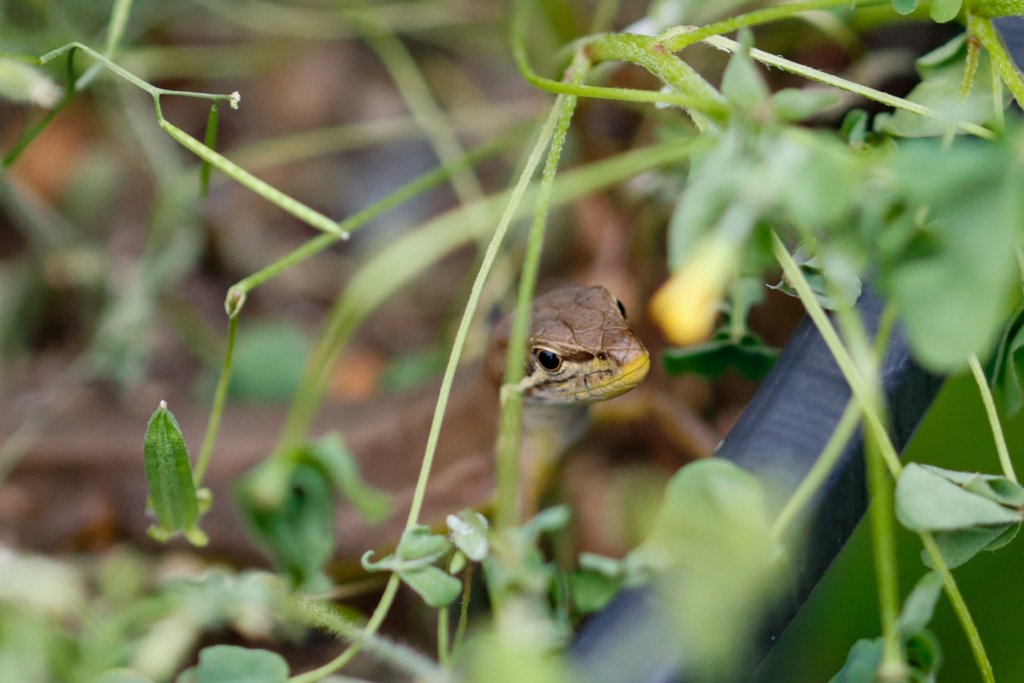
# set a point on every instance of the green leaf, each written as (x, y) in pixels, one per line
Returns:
(24, 82)
(1009, 366)
(468, 531)
(418, 548)
(952, 283)
(796, 104)
(550, 519)
(945, 10)
(751, 358)
(231, 664)
(418, 543)
(298, 533)
(855, 127)
(592, 590)
(992, 486)
(941, 73)
(835, 284)
(904, 6)
(862, 663)
(338, 463)
(957, 547)
(716, 561)
(924, 655)
(927, 501)
(919, 606)
(122, 676)
(172, 492)
(435, 586)
(268, 361)
(742, 83)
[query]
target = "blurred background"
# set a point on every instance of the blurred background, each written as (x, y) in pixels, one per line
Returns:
(113, 272)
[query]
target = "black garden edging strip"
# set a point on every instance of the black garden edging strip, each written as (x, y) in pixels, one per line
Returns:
(779, 436)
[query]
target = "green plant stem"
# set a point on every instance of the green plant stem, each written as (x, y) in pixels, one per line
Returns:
(460, 630)
(443, 652)
(993, 418)
(402, 260)
(858, 386)
(474, 297)
(849, 86)
(818, 474)
(677, 38)
(970, 65)
(421, 485)
(878, 433)
(712, 106)
(956, 599)
(883, 537)
(211, 142)
(219, 399)
(412, 189)
(246, 179)
(507, 510)
(981, 27)
(372, 626)
(667, 66)
(26, 138)
(424, 108)
(487, 121)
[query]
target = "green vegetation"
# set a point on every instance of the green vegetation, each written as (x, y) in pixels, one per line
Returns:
(922, 201)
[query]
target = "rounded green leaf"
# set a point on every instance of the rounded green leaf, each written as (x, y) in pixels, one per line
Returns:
(468, 531)
(122, 676)
(945, 10)
(231, 664)
(436, 587)
(904, 6)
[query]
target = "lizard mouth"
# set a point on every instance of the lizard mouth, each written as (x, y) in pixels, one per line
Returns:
(631, 374)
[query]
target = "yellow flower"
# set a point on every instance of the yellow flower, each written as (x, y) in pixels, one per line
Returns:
(687, 305)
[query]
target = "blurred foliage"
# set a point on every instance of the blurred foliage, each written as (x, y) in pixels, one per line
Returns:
(113, 245)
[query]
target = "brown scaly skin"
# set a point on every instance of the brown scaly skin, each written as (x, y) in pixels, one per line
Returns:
(581, 350)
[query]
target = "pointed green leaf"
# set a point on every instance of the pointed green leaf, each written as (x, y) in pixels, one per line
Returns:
(742, 83)
(957, 547)
(172, 492)
(795, 104)
(436, 587)
(1009, 366)
(927, 501)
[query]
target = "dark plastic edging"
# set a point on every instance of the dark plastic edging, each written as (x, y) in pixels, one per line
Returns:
(779, 436)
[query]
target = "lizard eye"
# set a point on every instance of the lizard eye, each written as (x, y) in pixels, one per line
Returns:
(548, 360)
(622, 309)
